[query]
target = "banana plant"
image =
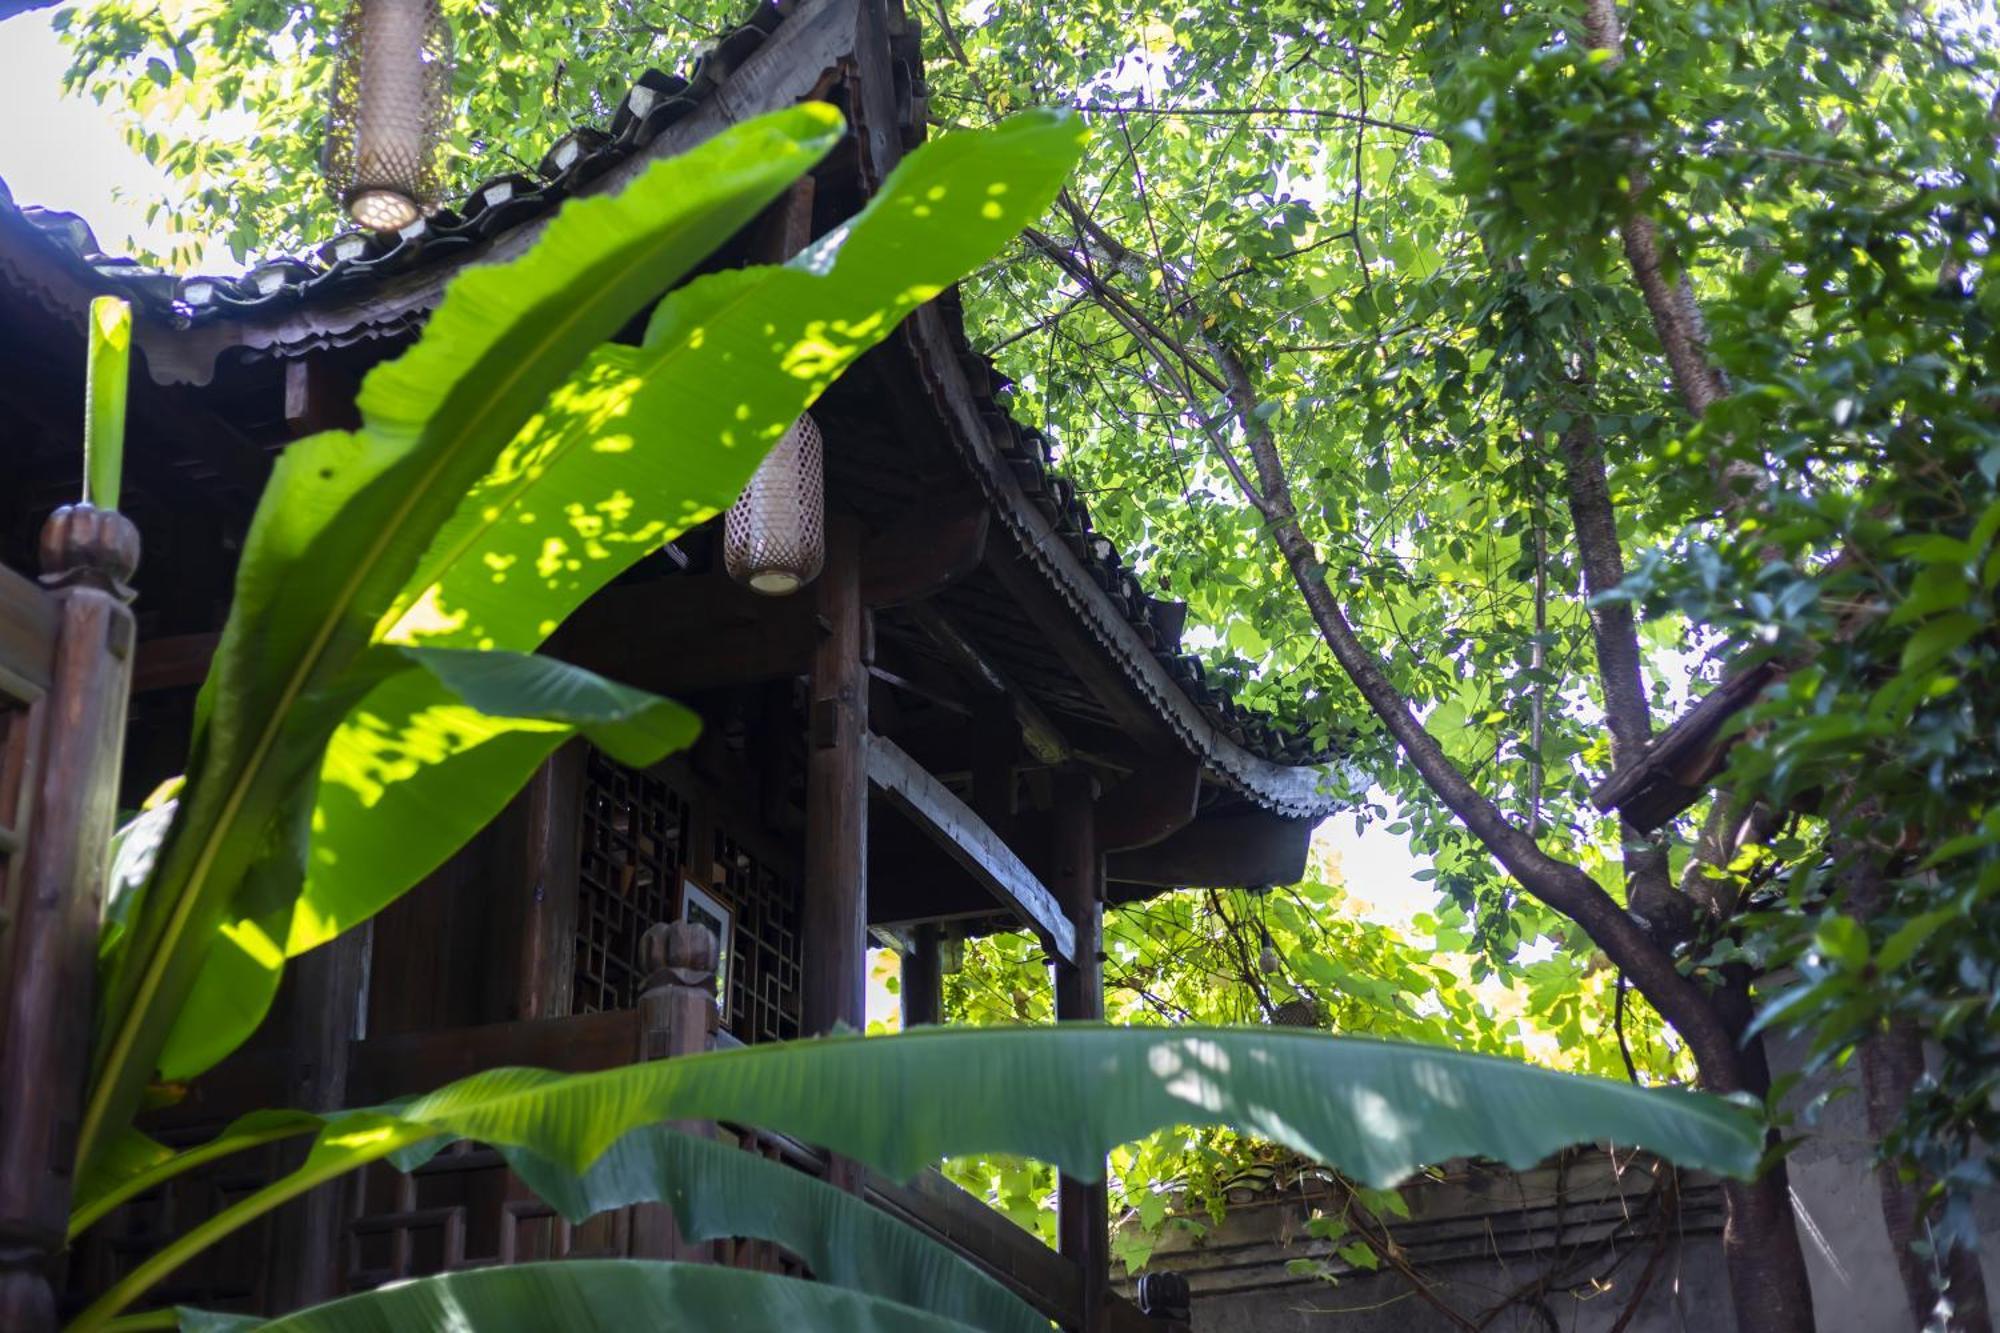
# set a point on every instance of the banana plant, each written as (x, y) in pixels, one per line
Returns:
(369, 708)
(582, 1294)
(1067, 1095)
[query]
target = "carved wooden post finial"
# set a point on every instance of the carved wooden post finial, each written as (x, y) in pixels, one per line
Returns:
(679, 953)
(84, 546)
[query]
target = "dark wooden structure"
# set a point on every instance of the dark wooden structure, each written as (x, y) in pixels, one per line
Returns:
(976, 719)
(65, 665)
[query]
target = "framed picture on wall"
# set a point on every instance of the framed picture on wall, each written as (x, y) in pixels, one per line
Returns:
(703, 908)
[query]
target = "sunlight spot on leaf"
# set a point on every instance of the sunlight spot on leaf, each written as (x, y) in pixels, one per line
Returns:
(252, 940)
(426, 618)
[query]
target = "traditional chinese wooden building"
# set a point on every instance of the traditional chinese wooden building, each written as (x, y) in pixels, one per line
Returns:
(975, 719)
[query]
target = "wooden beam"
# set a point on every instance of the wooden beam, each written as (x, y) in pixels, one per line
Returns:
(551, 850)
(1152, 804)
(932, 548)
(1042, 737)
(319, 395)
(1224, 852)
(1089, 660)
(682, 635)
(787, 225)
(969, 841)
(326, 1005)
(66, 803)
(836, 867)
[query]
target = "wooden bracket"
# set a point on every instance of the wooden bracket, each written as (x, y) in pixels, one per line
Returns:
(967, 839)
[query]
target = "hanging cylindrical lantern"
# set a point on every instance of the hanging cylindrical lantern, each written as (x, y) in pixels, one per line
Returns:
(391, 92)
(774, 536)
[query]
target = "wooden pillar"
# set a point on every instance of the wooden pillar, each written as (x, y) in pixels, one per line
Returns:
(1077, 881)
(326, 1013)
(87, 555)
(544, 977)
(836, 878)
(923, 977)
(677, 1017)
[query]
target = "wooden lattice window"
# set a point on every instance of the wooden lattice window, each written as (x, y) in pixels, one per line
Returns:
(636, 832)
(765, 957)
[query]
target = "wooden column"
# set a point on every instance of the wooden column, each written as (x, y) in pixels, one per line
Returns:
(1076, 868)
(676, 1017)
(87, 555)
(923, 977)
(325, 1013)
(544, 978)
(836, 878)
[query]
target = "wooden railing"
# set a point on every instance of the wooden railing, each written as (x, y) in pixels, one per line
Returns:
(464, 1209)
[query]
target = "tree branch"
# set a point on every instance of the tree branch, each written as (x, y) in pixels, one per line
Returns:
(1563, 886)
(1676, 318)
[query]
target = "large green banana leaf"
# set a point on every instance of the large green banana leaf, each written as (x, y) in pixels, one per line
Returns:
(718, 1190)
(628, 453)
(715, 1190)
(533, 703)
(1067, 1095)
(612, 1296)
(645, 443)
(344, 521)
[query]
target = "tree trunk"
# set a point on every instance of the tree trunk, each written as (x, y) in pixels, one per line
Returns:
(1892, 1065)
(1768, 1283)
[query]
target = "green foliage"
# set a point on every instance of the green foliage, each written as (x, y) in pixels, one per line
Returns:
(337, 533)
(611, 1295)
(1067, 1095)
(107, 376)
(1197, 957)
(381, 565)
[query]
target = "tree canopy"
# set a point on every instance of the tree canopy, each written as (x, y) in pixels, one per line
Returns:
(1491, 381)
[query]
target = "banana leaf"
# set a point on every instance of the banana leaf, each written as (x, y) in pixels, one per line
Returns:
(629, 452)
(717, 1190)
(106, 382)
(342, 525)
(1067, 1095)
(534, 703)
(641, 445)
(615, 1296)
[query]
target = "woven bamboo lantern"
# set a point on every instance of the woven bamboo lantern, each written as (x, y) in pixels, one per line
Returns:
(391, 94)
(774, 536)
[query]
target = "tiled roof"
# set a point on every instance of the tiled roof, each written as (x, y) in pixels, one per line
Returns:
(1241, 744)
(352, 263)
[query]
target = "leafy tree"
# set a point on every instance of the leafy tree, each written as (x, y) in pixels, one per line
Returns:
(1302, 955)
(1486, 378)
